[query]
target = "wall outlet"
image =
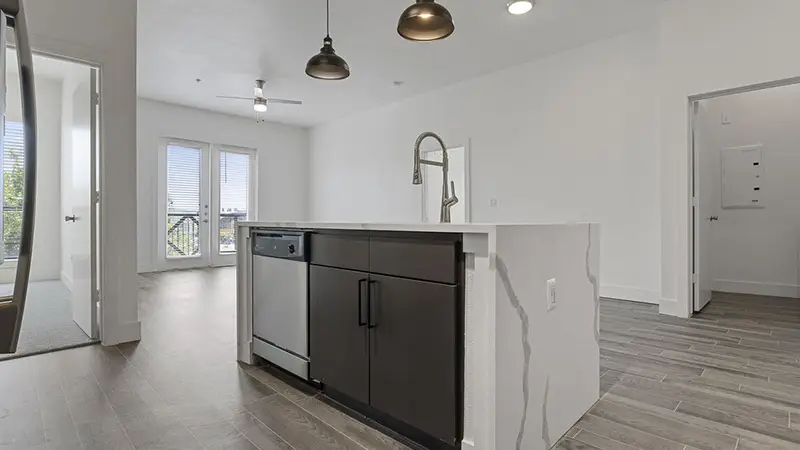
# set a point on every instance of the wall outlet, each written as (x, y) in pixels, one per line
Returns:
(551, 294)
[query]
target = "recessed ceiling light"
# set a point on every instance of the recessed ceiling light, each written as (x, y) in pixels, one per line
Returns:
(519, 7)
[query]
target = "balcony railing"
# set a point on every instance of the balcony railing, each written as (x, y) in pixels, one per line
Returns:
(227, 230)
(183, 233)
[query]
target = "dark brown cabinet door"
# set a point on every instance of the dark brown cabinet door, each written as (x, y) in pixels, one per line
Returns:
(339, 350)
(413, 353)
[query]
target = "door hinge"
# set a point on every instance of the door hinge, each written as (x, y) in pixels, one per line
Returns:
(694, 278)
(97, 196)
(96, 98)
(694, 202)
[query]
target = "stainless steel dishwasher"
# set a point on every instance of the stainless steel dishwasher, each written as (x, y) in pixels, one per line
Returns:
(280, 299)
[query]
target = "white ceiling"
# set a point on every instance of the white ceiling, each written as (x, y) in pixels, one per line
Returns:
(228, 44)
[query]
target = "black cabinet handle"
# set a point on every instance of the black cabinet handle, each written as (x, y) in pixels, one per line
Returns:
(373, 310)
(362, 320)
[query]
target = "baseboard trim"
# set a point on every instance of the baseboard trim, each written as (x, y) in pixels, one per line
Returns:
(757, 288)
(67, 280)
(120, 333)
(629, 293)
(669, 307)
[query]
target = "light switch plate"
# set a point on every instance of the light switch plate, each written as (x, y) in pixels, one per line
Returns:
(551, 294)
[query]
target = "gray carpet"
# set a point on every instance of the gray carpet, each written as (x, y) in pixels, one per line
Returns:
(47, 324)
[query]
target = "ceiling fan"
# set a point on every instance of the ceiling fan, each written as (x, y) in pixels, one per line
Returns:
(261, 103)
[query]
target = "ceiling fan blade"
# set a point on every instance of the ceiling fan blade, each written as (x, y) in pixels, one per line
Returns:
(235, 98)
(284, 101)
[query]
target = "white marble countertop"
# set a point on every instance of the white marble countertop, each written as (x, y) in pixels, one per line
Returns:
(423, 227)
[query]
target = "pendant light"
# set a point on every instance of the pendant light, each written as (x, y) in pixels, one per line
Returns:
(425, 20)
(327, 65)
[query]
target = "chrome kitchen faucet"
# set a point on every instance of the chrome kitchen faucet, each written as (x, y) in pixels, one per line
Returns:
(448, 199)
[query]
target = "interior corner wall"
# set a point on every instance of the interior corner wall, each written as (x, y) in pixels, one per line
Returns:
(756, 250)
(706, 47)
(45, 264)
(282, 152)
(569, 137)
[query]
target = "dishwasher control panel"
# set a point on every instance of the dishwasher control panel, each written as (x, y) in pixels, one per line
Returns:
(284, 245)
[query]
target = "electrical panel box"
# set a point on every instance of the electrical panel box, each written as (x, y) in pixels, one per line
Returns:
(742, 177)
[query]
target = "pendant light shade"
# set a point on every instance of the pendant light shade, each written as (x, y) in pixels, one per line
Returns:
(327, 65)
(425, 20)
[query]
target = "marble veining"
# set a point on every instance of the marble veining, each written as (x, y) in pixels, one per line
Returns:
(596, 286)
(545, 425)
(502, 272)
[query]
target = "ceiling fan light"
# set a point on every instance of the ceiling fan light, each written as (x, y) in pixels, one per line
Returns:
(260, 105)
(327, 65)
(519, 7)
(425, 20)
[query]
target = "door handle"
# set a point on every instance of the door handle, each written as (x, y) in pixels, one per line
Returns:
(713, 218)
(72, 218)
(373, 310)
(361, 310)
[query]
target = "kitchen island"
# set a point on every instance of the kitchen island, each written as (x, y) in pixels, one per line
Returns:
(520, 303)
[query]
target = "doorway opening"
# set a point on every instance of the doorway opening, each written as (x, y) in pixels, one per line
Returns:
(745, 205)
(62, 309)
(204, 191)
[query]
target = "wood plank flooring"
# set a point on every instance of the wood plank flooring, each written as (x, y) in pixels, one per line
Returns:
(179, 388)
(726, 379)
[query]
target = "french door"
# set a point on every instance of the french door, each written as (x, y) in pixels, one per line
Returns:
(205, 191)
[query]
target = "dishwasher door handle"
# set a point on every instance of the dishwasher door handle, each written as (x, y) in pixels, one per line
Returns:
(362, 311)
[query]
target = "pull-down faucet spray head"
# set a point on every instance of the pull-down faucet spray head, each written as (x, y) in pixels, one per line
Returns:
(417, 175)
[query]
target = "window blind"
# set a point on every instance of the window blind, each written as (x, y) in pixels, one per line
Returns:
(234, 196)
(184, 165)
(13, 177)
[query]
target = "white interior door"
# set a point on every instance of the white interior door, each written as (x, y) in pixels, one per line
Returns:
(81, 227)
(233, 190)
(185, 216)
(704, 210)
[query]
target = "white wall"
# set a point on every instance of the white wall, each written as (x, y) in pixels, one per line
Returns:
(571, 137)
(45, 264)
(757, 250)
(709, 46)
(104, 32)
(282, 151)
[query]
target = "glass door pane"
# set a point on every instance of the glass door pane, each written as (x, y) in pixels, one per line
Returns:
(234, 196)
(184, 175)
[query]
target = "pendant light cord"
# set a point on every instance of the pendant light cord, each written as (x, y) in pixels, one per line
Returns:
(328, 19)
